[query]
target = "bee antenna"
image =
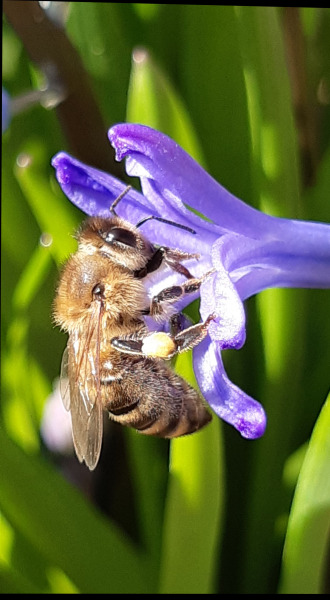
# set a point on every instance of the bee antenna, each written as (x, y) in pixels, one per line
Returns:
(165, 221)
(118, 199)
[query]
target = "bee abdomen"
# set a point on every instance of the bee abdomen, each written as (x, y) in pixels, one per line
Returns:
(163, 405)
(170, 425)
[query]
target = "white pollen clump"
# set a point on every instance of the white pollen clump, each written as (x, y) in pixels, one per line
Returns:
(158, 344)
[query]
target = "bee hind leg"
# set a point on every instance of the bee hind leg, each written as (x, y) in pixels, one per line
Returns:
(185, 339)
(159, 344)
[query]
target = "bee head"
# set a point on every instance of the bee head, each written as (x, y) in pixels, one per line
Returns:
(116, 239)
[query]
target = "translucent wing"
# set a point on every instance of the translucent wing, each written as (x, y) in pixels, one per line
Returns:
(64, 380)
(80, 389)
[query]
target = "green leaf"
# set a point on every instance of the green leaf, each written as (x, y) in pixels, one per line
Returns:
(54, 216)
(101, 32)
(192, 523)
(32, 277)
(148, 457)
(271, 121)
(275, 176)
(194, 498)
(153, 101)
(305, 556)
(209, 65)
(22, 404)
(194, 507)
(70, 534)
(12, 582)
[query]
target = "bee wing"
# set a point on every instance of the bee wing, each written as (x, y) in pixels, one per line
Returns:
(87, 427)
(82, 394)
(64, 380)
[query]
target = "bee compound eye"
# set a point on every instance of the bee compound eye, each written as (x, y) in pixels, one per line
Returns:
(98, 291)
(122, 236)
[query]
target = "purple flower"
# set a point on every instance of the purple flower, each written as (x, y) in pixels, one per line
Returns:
(248, 250)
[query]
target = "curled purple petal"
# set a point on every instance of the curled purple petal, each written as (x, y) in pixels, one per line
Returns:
(153, 155)
(288, 253)
(93, 191)
(219, 297)
(90, 189)
(229, 402)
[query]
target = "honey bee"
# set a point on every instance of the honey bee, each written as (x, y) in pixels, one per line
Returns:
(112, 360)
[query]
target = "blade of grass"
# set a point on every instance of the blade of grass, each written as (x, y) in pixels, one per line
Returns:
(152, 101)
(192, 515)
(102, 33)
(194, 498)
(12, 582)
(210, 68)
(18, 366)
(90, 550)
(276, 180)
(53, 216)
(306, 546)
(148, 458)
(193, 511)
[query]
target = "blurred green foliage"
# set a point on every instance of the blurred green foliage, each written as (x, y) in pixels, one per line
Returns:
(246, 91)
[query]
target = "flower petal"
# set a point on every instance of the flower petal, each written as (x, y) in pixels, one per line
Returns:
(229, 402)
(172, 208)
(153, 155)
(298, 256)
(219, 296)
(295, 254)
(92, 190)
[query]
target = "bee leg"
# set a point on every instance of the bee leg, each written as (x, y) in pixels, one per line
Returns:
(177, 323)
(174, 293)
(159, 344)
(191, 336)
(171, 258)
(128, 345)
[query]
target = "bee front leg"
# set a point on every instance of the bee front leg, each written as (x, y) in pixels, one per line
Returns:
(159, 344)
(172, 258)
